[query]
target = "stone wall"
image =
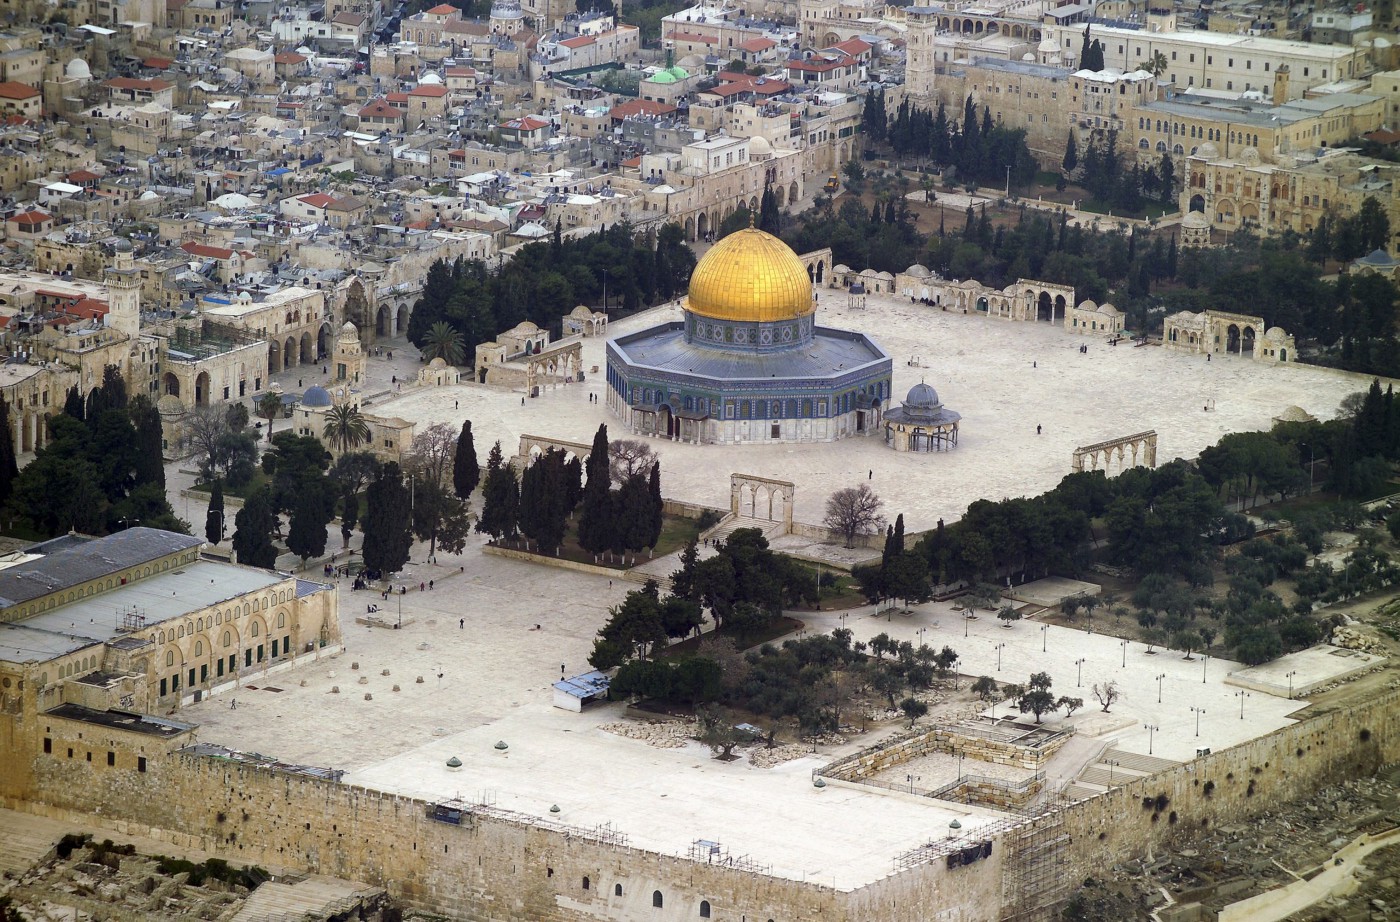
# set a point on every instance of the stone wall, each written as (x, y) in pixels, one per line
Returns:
(946, 740)
(504, 867)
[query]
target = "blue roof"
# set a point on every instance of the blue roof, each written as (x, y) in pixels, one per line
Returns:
(589, 685)
(831, 353)
(280, 171)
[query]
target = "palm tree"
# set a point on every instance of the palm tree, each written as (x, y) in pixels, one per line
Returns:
(1158, 65)
(345, 428)
(444, 342)
(269, 405)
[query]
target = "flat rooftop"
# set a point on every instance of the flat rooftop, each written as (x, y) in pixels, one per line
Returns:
(122, 720)
(98, 618)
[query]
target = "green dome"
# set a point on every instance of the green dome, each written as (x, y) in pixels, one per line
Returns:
(664, 76)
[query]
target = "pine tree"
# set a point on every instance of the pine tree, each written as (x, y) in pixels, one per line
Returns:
(466, 473)
(683, 580)
(769, 219)
(9, 470)
(214, 519)
(252, 535)
(388, 522)
(74, 405)
(1085, 50)
(633, 509)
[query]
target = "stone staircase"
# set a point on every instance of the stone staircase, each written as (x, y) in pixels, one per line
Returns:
(27, 840)
(732, 523)
(296, 898)
(1113, 768)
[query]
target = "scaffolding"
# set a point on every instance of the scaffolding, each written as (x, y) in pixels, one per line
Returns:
(131, 620)
(709, 852)
(1034, 864)
(190, 343)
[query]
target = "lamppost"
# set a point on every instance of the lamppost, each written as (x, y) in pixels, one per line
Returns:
(922, 631)
(1241, 694)
(1205, 659)
(1150, 731)
(967, 617)
(1000, 647)
(1198, 712)
(1160, 677)
(1111, 763)
(1290, 674)
(1124, 645)
(605, 291)
(960, 755)
(1079, 672)
(1042, 637)
(911, 779)
(844, 616)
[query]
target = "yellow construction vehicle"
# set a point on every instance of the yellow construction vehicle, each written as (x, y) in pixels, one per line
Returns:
(832, 184)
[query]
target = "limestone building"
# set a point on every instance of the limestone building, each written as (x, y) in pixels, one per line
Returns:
(748, 362)
(139, 621)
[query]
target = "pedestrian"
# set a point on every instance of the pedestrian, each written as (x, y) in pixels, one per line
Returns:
(609, 584)
(430, 584)
(870, 475)
(422, 586)
(456, 404)
(298, 382)
(391, 354)
(325, 369)
(1037, 428)
(393, 379)
(1207, 356)
(462, 624)
(1035, 364)
(522, 401)
(233, 704)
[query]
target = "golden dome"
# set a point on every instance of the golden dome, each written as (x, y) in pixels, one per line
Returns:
(750, 275)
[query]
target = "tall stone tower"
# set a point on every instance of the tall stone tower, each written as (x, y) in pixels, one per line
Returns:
(124, 293)
(349, 357)
(919, 62)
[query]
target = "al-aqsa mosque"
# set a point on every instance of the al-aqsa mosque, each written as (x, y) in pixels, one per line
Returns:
(748, 362)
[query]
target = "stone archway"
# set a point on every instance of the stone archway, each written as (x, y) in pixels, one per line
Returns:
(202, 384)
(751, 496)
(289, 353)
(1247, 341)
(308, 354)
(169, 384)
(702, 225)
(690, 228)
(359, 308)
(323, 342)
(1045, 308)
(382, 321)
(274, 357)
(1117, 455)
(401, 320)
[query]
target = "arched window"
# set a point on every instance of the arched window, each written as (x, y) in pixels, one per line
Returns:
(170, 657)
(199, 648)
(704, 909)
(586, 884)
(255, 629)
(617, 889)
(656, 899)
(228, 638)
(282, 619)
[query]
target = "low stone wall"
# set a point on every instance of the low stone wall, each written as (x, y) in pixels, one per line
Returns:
(947, 740)
(561, 562)
(990, 792)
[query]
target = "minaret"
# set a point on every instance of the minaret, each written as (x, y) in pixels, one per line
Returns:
(124, 293)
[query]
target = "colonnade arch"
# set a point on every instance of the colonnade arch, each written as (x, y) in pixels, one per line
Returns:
(1117, 455)
(752, 496)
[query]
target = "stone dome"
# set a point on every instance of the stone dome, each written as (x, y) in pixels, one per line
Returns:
(918, 271)
(430, 79)
(77, 69)
(438, 362)
(316, 396)
(750, 276)
(122, 245)
(170, 405)
(1208, 151)
(1195, 219)
(759, 148)
(922, 396)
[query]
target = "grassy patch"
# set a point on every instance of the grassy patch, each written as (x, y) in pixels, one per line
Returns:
(676, 532)
(1104, 208)
(842, 594)
(259, 481)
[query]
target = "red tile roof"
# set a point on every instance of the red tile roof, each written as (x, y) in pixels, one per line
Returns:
(640, 107)
(12, 90)
(79, 177)
(31, 217)
(379, 109)
(317, 200)
(693, 37)
(853, 46)
(432, 90)
(757, 44)
(528, 123)
(289, 57)
(132, 83)
(157, 63)
(206, 251)
(579, 41)
(444, 9)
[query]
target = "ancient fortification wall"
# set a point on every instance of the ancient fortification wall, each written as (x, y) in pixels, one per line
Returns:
(494, 867)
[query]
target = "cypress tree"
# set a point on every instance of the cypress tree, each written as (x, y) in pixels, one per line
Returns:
(9, 470)
(466, 473)
(596, 526)
(349, 512)
(74, 405)
(1071, 154)
(500, 498)
(150, 443)
(252, 535)
(214, 519)
(388, 522)
(658, 505)
(306, 536)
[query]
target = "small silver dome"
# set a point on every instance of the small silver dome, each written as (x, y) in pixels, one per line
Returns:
(316, 396)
